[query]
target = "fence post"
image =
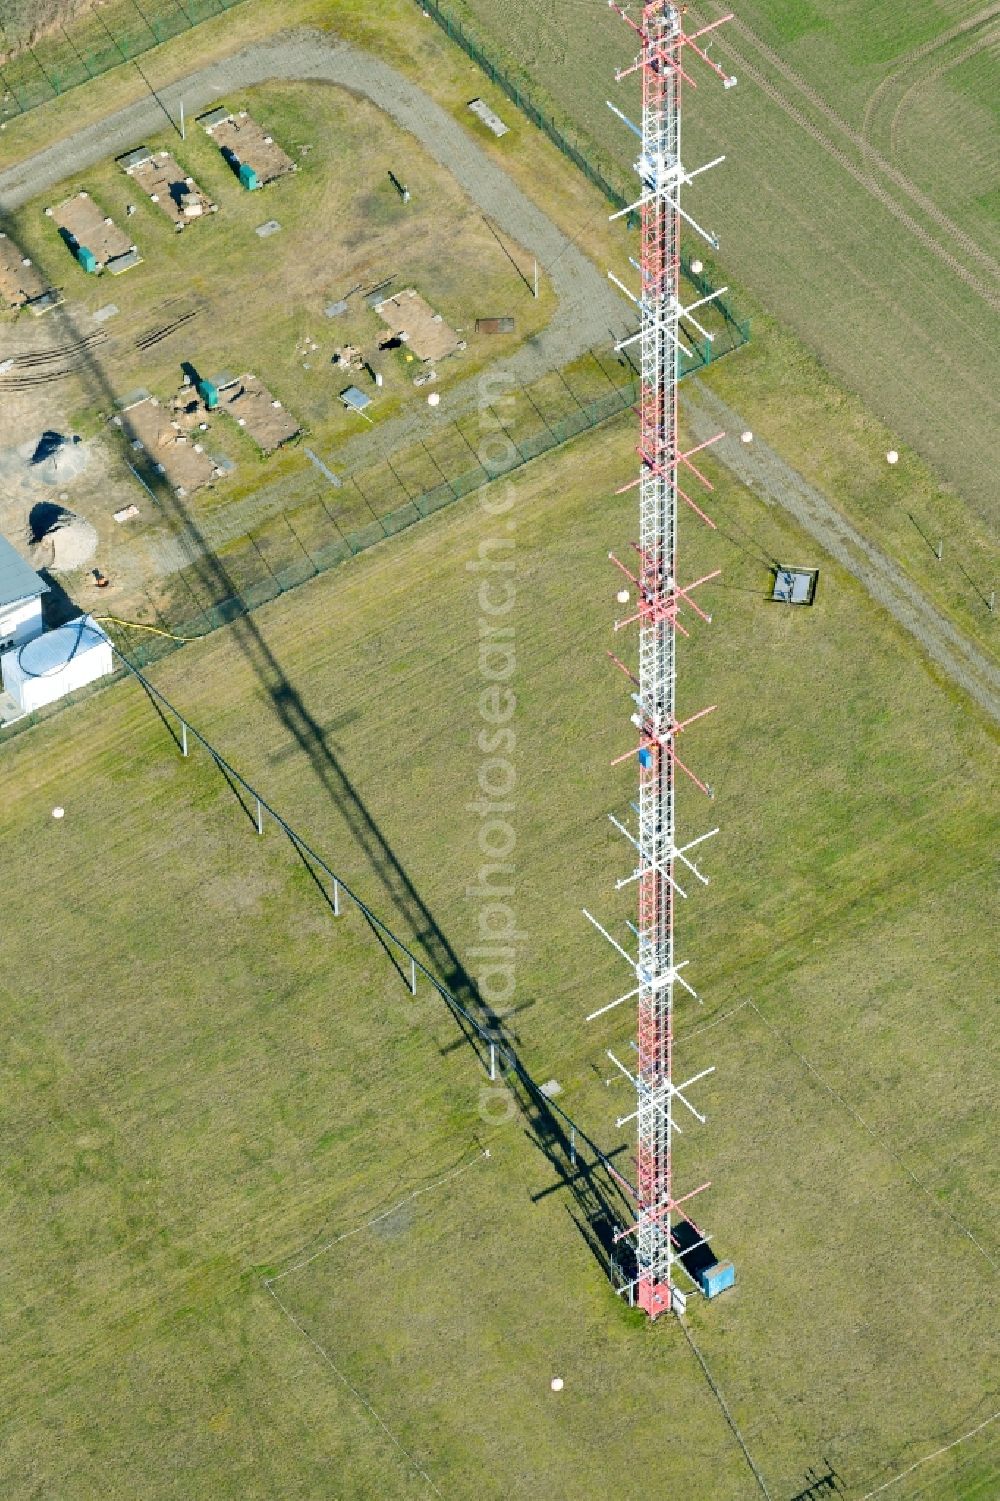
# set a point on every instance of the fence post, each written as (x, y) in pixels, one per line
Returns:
(493, 1060)
(336, 897)
(413, 975)
(260, 818)
(184, 738)
(572, 1146)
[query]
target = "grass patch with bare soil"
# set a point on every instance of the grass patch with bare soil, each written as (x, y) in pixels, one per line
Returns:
(206, 1083)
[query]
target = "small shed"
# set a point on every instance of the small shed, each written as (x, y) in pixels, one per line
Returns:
(355, 398)
(49, 666)
(21, 591)
(795, 586)
(213, 117)
(717, 1278)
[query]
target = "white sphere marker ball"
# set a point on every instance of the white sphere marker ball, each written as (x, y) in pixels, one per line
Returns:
(433, 399)
(746, 437)
(697, 268)
(58, 812)
(892, 457)
(556, 1383)
(622, 596)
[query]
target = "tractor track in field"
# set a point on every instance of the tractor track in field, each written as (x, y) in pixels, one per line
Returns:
(861, 139)
(925, 50)
(988, 294)
(993, 40)
(588, 310)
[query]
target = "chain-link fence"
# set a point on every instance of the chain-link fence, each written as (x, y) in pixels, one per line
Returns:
(91, 44)
(738, 329)
(516, 93)
(308, 526)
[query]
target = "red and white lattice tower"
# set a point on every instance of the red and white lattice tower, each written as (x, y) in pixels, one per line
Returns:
(660, 598)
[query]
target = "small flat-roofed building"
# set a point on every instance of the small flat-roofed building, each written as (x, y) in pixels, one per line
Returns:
(795, 586)
(46, 668)
(355, 398)
(21, 591)
(213, 117)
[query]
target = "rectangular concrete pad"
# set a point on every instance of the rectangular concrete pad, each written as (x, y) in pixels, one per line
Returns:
(251, 143)
(250, 400)
(427, 334)
(82, 218)
(19, 284)
(169, 447)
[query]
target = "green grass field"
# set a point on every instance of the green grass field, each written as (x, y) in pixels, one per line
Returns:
(858, 202)
(208, 1079)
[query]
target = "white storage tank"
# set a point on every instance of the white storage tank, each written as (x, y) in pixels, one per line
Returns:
(56, 663)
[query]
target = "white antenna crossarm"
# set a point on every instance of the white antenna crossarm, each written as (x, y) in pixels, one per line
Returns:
(613, 941)
(612, 1004)
(624, 289)
(636, 845)
(630, 208)
(619, 1065)
(706, 234)
(689, 177)
(623, 118)
(680, 853)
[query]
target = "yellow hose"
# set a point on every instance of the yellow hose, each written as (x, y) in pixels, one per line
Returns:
(135, 625)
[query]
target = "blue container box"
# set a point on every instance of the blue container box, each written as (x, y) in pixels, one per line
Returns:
(715, 1279)
(645, 758)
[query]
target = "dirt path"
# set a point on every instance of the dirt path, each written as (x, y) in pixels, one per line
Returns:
(767, 475)
(588, 315)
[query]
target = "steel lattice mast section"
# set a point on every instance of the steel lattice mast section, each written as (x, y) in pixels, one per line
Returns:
(659, 599)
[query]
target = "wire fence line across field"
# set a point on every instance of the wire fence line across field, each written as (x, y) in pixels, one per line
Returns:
(378, 1219)
(726, 1412)
(328, 1359)
(564, 142)
(886, 1485)
(95, 42)
(499, 1055)
(320, 1349)
(305, 511)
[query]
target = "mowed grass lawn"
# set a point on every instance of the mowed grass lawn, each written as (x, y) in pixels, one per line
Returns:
(206, 1077)
(858, 202)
